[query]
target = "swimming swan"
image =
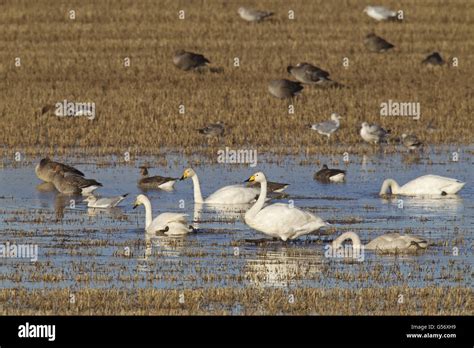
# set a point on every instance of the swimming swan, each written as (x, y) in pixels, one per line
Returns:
(172, 224)
(387, 242)
(233, 194)
(424, 185)
(279, 220)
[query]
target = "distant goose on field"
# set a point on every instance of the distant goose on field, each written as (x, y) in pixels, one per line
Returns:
(188, 60)
(330, 175)
(45, 169)
(155, 182)
(73, 184)
(424, 185)
(213, 130)
(328, 127)
(411, 141)
(389, 242)
(251, 15)
(284, 88)
(375, 43)
(104, 202)
(433, 59)
(373, 133)
(380, 13)
(310, 74)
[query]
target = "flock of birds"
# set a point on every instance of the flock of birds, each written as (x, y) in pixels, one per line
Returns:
(277, 220)
(308, 74)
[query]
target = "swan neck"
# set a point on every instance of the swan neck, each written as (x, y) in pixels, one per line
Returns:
(390, 184)
(197, 190)
(260, 201)
(352, 236)
(148, 212)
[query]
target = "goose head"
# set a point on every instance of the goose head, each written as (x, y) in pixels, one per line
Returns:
(188, 173)
(139, 201)
(144, 171)
(257, 177)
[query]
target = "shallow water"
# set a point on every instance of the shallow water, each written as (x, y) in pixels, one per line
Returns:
(79, 247)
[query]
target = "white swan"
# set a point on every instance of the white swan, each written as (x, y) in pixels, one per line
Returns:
(424, 185)
(233, 194)
(279, 220)
(387, 242)
(172, 224)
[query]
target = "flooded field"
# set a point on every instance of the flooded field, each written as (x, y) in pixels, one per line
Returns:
(82, 250)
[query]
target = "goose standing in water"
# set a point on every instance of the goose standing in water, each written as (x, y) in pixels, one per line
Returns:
(189, 61)
(330, 175)
(104, 202)
(73, 184)
(279, 220)
(390, 242)
(373, 133)
(45, 169)
(171, 224)
(155, 182)
(424, 185)
(233, 194)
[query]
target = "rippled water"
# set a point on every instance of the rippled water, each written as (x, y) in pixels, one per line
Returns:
(79, 247)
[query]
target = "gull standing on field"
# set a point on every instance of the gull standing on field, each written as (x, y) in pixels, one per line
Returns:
(375, 43)
(104, 202)
(251, 15)
(380, 13)
(188, 60)
(284, 88)
(373, 133)
(328, 127)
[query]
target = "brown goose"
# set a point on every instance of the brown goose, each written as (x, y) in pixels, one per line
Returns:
(434, 59)
(284, 88)
(155, 182)
(45, 169)
(271, 186)
(330, 175)
(188, 60)
(375, 43)
(73, 184)
(310, 74)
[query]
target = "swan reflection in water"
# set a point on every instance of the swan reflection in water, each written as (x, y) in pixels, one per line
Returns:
(450, 203)
(279, 269)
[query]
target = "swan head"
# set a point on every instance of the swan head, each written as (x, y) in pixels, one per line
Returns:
(188, 173)
(139, 201)
(257, 177)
